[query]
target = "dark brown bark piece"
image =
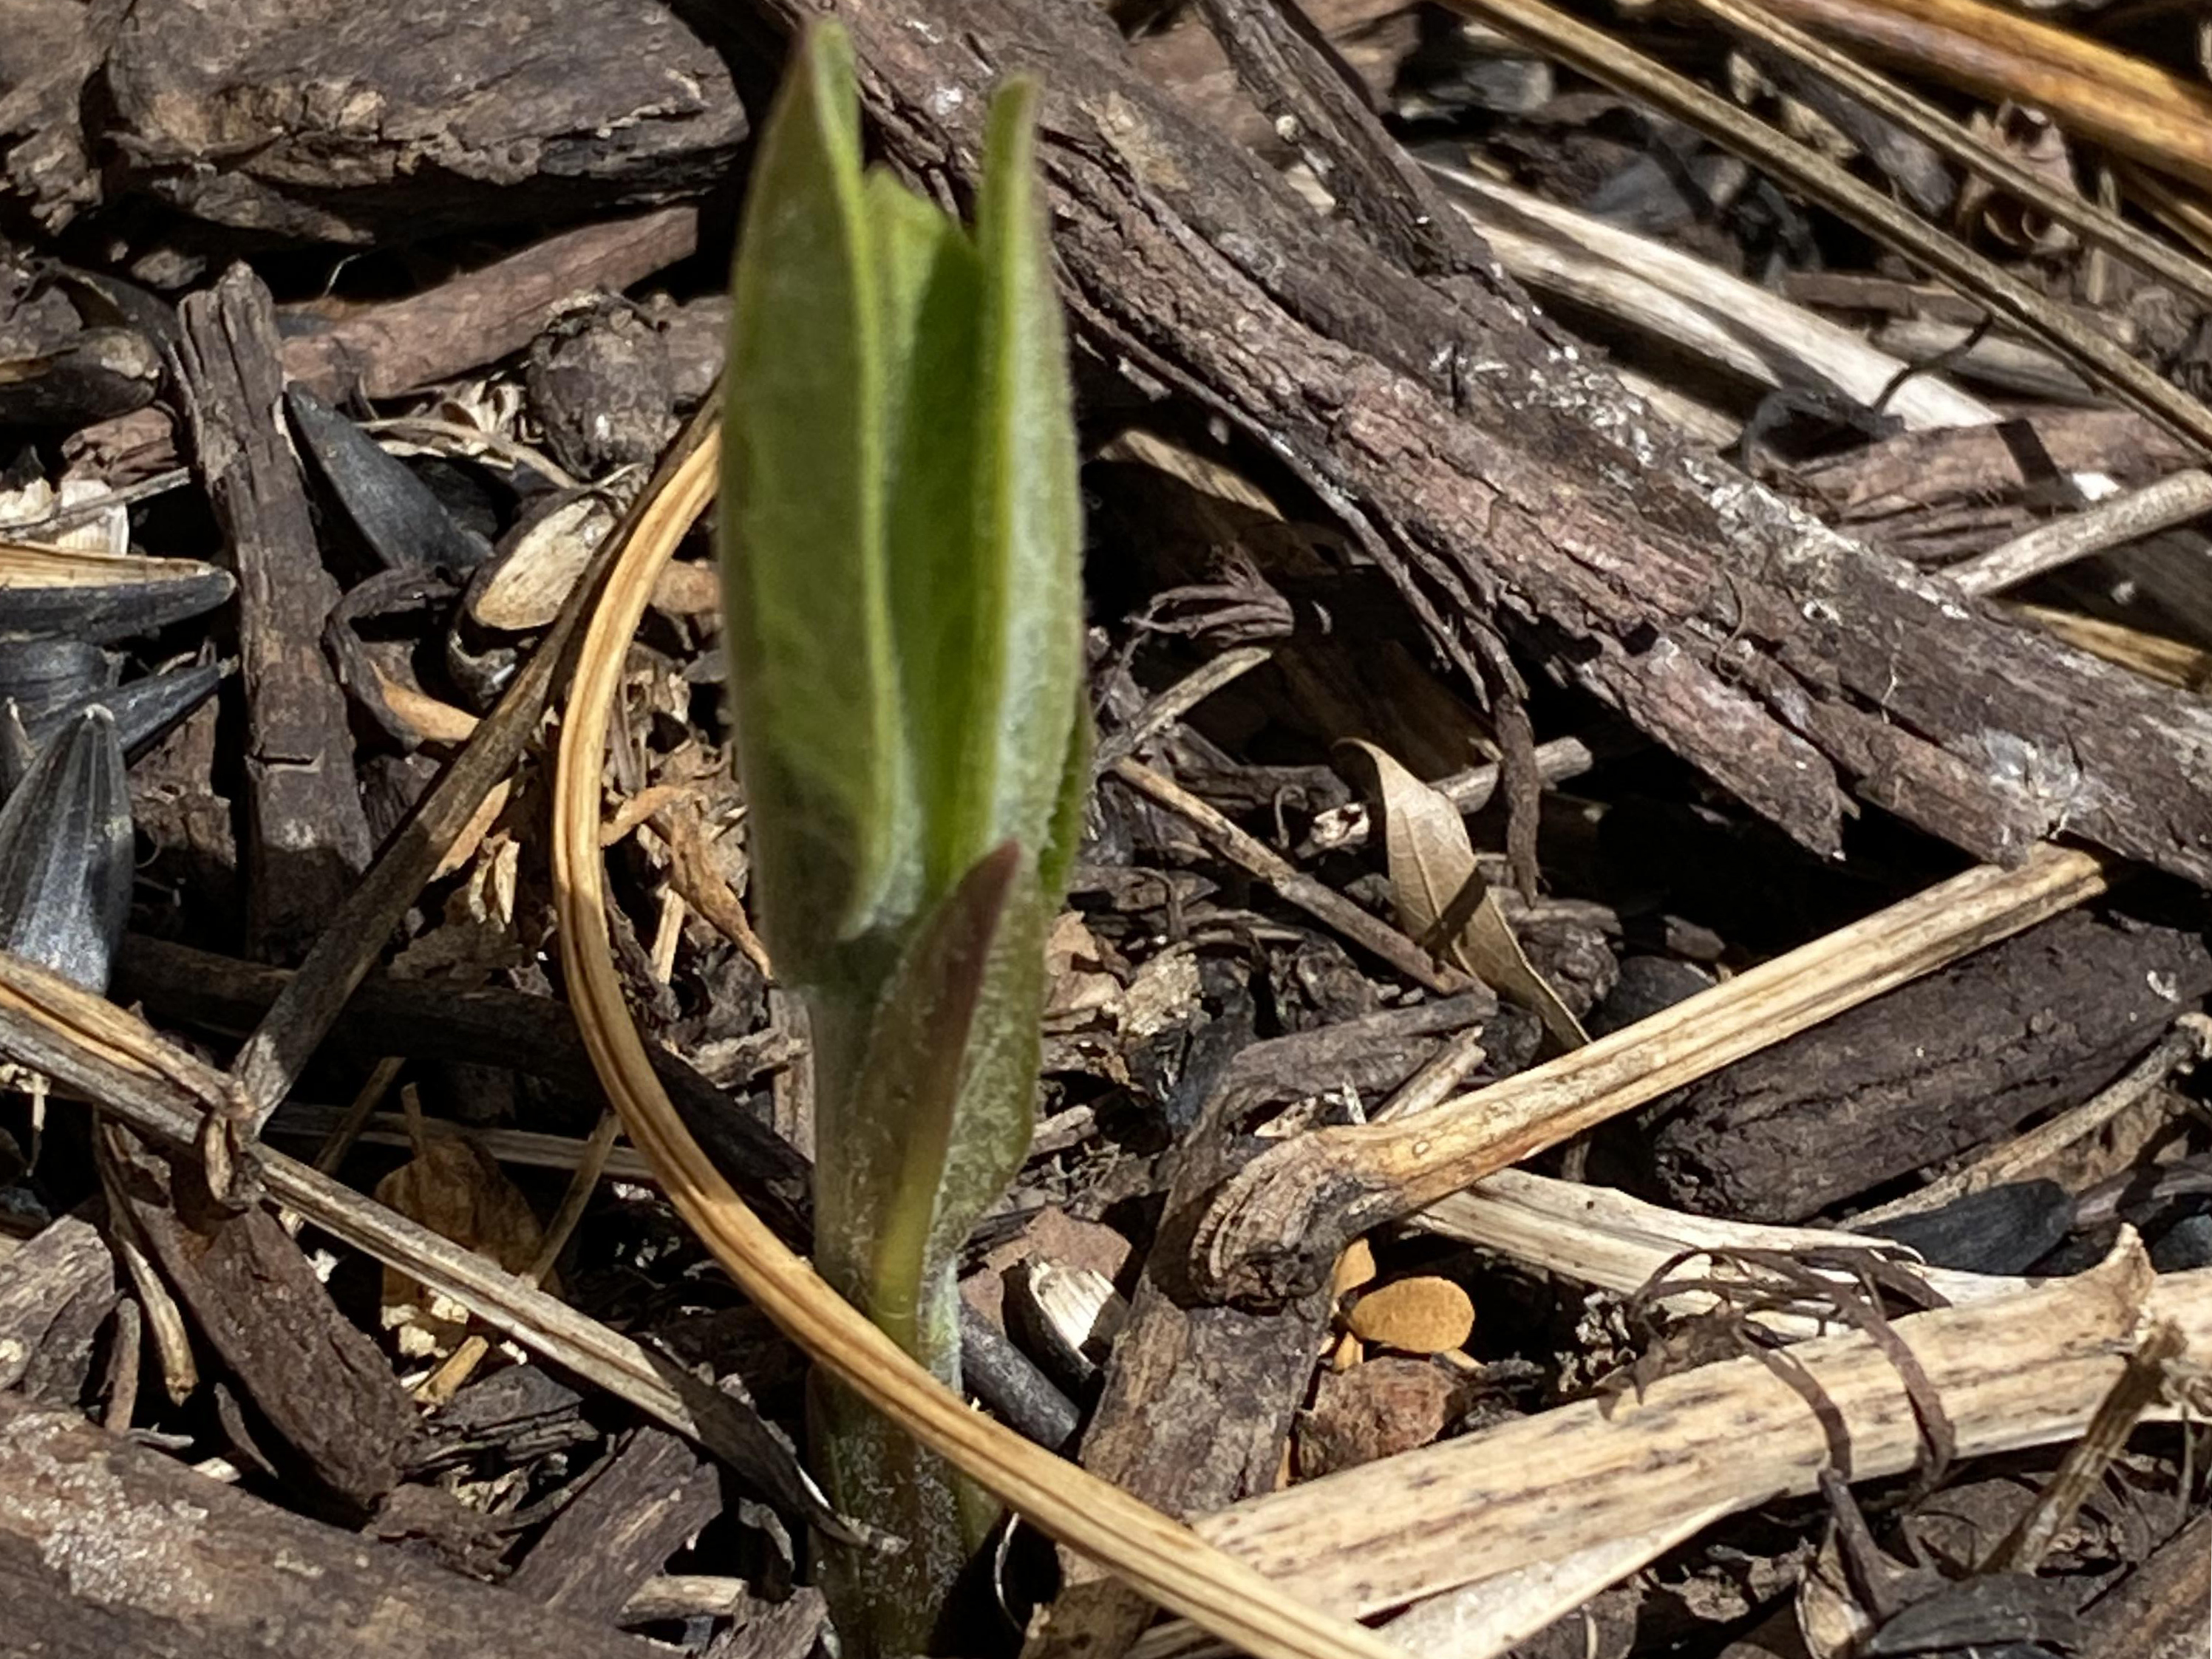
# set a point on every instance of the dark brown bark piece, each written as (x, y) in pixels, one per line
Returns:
(1378, 1409)
(309, 839)
(481, 316)
(601, 385)
(1934, 1068)
(48, 52)
(107, 1548)
(317, 1379)
(782, 1630)
(328, 121)
(1198, 1402)
(57, 1290)
(1957, 464)
(1498, 480)
(635, 1511)
(2158, 1611)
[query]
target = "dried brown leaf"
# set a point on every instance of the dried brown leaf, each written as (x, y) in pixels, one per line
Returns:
(1443, 900)
(456, 1188)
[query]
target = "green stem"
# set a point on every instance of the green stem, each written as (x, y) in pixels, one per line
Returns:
(885, 1605)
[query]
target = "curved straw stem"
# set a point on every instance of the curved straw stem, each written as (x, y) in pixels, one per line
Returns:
(1159, 1556)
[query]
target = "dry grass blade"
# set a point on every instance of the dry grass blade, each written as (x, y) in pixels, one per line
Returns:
(1590, 52)
(1279, 1223)
(1693, 305)
(1164, 1560)
(2136, 1390)
(2136, 108)
(2093, 224)
(2155, 656)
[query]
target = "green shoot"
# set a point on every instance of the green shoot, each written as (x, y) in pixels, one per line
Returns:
(901, 546)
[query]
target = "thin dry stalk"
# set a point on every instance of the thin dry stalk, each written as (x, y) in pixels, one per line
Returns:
(1619, 1244)
(2178, 500)
(2097, 225)
(139, 1079)
(1556, 760)
(346, 1130)
(2133, 107)
(2137, 1389)
(1590, 52)
(460, 1365)
(525, 1147)
(1280, 1222)
(2023, 1371)
(1159, 1557)
(1318, 900)
(1435, 1083)
(1178, 699)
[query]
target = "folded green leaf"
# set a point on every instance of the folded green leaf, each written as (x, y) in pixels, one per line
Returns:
(1000, 650)
(803, 504)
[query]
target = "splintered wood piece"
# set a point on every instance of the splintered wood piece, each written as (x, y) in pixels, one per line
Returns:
(310, 839)
(107, 1547)
(57, 1290)
(1378, 1409)
(481, 316)
(1277, 1226)
(654, 1492)
(2022, 1371)
(316, 1377)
